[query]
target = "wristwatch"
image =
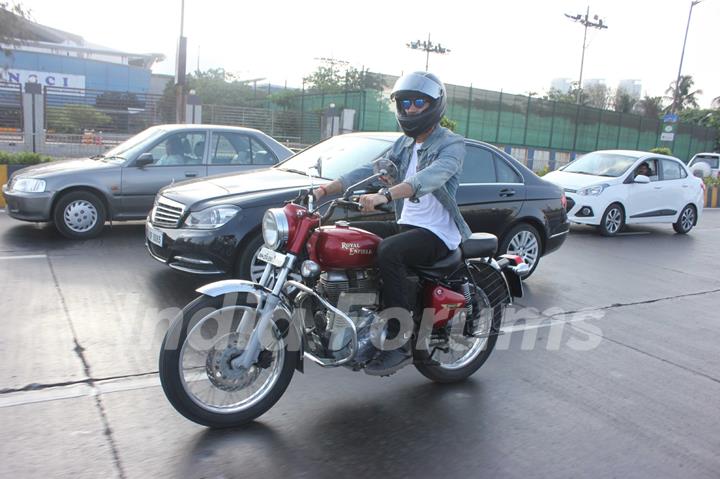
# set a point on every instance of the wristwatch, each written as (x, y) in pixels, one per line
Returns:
(386, 193)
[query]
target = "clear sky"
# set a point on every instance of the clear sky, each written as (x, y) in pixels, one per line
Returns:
(518, 46)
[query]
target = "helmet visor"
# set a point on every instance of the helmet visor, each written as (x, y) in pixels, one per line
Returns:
(417, 83)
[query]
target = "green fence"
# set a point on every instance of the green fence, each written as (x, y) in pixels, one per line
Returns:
(518, 120)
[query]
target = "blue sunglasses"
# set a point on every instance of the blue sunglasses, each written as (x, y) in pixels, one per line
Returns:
(418, 102)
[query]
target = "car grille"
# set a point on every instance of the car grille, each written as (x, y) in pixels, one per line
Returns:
(570, 204)
(167, 213)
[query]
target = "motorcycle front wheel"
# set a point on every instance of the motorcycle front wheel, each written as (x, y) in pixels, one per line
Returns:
(195, 362)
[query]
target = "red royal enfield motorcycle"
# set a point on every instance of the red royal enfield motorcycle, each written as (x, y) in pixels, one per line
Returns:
(230, 354)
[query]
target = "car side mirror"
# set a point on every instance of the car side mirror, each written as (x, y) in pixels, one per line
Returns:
(642, 179)
(144, 160)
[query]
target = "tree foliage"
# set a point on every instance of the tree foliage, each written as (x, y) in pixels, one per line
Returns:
(336, 76)
(448, 123)
(76, 118)
(11, 25)
(623, 102)
(650, 106)
(684, 97)
(598, 96)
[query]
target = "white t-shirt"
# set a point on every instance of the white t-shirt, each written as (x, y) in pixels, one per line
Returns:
(429, 213)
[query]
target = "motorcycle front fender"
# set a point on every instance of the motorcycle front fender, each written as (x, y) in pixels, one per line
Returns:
(239, 286)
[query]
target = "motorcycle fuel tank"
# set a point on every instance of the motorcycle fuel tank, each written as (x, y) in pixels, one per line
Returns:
(343, 247)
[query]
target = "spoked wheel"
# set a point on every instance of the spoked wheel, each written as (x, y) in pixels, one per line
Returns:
(464, 345)
(196, 368)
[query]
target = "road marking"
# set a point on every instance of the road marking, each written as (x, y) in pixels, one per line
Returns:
(546, 323)
(78, 390)
(27, 256)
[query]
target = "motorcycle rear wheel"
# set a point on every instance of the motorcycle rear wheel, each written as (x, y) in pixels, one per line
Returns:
(447, 368)
(195, 370)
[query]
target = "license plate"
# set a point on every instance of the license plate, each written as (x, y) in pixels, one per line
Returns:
(154, 236)
(272, 257)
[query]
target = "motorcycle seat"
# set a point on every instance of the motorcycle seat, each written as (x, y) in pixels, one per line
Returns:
(443, 267)
(479, 245)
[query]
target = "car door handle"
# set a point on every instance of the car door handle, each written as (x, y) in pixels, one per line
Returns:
(658, 187)
(507, 192)
(685, 186)
(190, 174)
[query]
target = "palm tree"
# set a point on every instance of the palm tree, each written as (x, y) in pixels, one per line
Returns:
(683, 97)
(716, 102)
(651, 106)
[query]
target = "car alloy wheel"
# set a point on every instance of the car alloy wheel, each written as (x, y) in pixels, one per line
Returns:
(686, 221)
(525, 245)
(613, 220)
(523, 240)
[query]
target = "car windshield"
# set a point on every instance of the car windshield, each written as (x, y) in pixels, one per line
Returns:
(128, 147)
(337, 156)
(601, 164)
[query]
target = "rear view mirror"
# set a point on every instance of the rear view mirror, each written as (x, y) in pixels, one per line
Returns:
(387, 170)
(641, 179)
(144, 160)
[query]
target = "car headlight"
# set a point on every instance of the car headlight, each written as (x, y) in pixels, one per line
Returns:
(28, 185)
(275, 228)
(211, 218)
(593, 190)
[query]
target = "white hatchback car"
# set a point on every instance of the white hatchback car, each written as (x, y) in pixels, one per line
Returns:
(707, 163)
(612, 188)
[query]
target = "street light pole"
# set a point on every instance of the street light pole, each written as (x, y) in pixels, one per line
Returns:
(427, 47)
(585, 21)
(676, 107)
(180, 69)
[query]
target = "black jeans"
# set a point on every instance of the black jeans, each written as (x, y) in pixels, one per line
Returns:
(403, 246)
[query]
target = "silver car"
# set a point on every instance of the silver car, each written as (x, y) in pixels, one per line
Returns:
(80, 195)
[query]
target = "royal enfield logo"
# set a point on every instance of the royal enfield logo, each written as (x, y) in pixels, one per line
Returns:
(354, 248)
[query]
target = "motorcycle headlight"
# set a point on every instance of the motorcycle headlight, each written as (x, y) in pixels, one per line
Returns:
(275, 228)
(593, 190)
(211, 218)
(28, 185)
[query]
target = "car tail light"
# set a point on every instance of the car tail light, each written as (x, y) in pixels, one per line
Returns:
(563, 201)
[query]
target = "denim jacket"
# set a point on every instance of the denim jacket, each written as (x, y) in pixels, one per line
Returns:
(440, 162)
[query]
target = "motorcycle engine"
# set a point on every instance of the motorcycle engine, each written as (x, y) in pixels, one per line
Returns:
(358, 288)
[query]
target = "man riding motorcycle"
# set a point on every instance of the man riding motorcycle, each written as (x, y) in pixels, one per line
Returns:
(428, 224)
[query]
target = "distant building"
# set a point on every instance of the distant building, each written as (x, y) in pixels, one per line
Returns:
(593, 82)
(563, 85)
(56, 58)
(631, 87)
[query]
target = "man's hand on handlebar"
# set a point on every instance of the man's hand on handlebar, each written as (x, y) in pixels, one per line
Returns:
(369, 202)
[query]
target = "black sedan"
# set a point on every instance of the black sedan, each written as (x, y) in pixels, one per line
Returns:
(213, 225)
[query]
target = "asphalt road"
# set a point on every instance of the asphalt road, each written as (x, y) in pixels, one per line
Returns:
(610, 367)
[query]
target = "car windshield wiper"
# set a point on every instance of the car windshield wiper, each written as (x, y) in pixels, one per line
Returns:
(97, 157)
(114, 157)
(293, 170)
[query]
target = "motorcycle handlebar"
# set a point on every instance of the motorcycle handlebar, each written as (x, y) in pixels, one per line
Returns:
(352, 205)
